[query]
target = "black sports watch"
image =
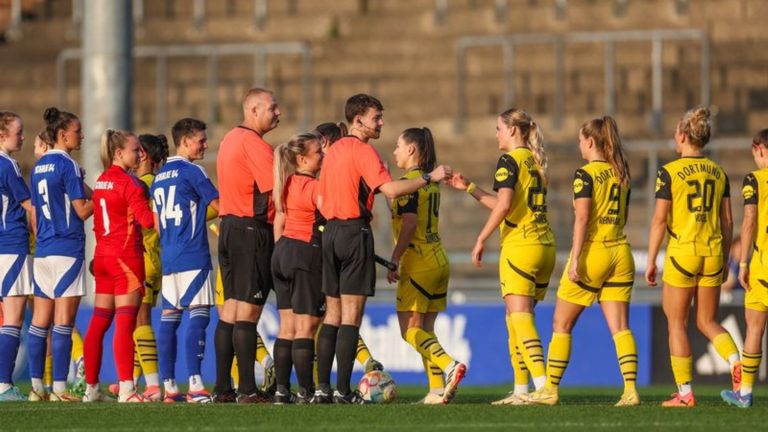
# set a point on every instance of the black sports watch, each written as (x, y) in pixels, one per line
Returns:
(426, 178)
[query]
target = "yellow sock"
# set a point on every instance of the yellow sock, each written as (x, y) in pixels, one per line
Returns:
(682, 369)
(428, 346)
(726, 348)
(750, 363)
(626, 353)
(435, 376)
(261, 350)
(235, 374)
(518, 363)
(77, 345)
(146, 349)
(529, 343)
(48, 371)
(136, 366)
(557, 358)
(363, 353)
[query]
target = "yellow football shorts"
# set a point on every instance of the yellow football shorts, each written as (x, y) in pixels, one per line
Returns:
(525, 269)
(693, 271)
(423, 285)
(153, 281)
(756, 298)
(605, 273)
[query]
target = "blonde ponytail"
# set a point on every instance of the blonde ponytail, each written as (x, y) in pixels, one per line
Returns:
(111, 140)
(605, 132)
(285, 164)
(531, 133)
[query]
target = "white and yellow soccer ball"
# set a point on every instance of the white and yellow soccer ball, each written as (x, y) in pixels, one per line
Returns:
(377, 387)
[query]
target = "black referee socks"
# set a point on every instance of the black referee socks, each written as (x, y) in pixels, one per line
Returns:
(346, 350)
(303, 356)
(326, 349)
(244, 341)
(283, 364)
(225, 352)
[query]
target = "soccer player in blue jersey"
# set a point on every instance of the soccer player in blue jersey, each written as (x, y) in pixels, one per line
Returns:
(62, 203)
(181, 193)
(15, 262)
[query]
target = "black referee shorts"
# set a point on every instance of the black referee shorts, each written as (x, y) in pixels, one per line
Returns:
(348, 258)
(297, 271)
(245, 256)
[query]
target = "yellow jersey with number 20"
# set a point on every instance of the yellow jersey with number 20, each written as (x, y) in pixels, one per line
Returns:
(526, 222)
(696, 186)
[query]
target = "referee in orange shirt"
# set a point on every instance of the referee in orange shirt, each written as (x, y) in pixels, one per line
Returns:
(244, 167)
(352, 173)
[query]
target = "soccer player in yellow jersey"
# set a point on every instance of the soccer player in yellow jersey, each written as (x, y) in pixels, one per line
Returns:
(693, 205)
(753, 276)
(155, 152)
(423, 266)
(519, 210)
(601, 266)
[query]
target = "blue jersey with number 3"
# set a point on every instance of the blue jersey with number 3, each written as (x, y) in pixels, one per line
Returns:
(56, 182)
(181, 193)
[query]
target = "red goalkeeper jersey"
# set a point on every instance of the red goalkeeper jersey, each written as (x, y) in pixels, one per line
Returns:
(120, 211)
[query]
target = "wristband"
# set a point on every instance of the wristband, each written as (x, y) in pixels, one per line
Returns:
(743, 264)
(471, 188)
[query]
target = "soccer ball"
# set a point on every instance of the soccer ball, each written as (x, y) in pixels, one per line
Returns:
(377, 387)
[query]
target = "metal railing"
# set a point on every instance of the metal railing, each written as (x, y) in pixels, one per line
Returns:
(212, 54)
(558, 43)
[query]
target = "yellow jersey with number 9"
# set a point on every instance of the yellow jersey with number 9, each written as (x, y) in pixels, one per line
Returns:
(526, 222)
(696, 186)
(755, 195)
(425, 202)
(610, 202)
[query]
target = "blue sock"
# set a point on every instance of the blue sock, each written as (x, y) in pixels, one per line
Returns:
(61, 348)
(166, 344)
(36, 345)
(195, 342)
(9, 347)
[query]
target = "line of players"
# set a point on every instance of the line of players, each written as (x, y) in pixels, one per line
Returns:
(693, 206)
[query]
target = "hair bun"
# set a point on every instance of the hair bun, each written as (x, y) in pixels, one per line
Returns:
(163, 140)
(51, 114)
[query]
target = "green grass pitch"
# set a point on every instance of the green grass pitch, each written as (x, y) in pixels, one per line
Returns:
(579, 409)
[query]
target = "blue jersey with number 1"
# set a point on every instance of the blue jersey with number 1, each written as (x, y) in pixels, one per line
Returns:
(181, 193)
(56, 182)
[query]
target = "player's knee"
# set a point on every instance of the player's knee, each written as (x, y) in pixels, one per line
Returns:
(247, 312)
(706, 324)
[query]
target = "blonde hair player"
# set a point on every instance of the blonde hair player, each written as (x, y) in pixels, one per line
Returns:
(600, 267)
(297, 264)
(423, 265)
(753, 276)
(15, 258)
(121, 211)
(519, 210)
(693, 205)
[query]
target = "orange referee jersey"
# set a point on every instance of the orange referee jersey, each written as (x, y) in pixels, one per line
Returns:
(244, 167)
(352, 173)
